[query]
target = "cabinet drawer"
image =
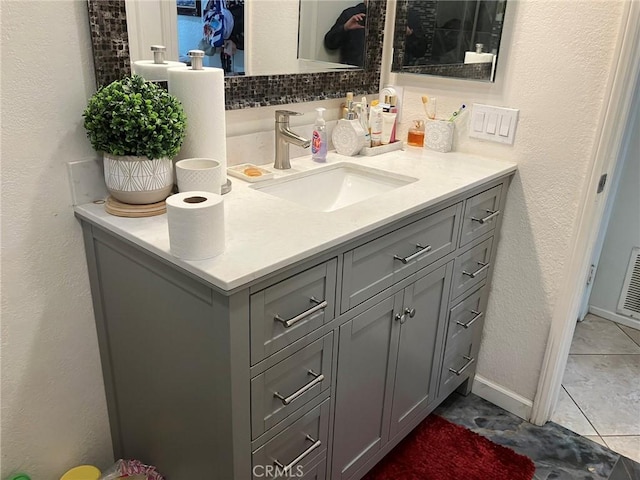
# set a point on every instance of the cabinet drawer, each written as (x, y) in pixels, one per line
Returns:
(313, 472)
(288, 385)
(471, 268)
(288, 310)
(466, 316)
(300, 445)
(377, 265)
(459, 363)
(481, 214)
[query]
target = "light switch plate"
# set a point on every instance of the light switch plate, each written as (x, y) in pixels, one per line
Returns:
(497, 124)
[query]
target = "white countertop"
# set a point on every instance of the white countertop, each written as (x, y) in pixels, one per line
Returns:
(265, 233)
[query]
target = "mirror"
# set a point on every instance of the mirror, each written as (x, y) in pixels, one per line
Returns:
(450, 38)
(298, 47)
(108, 23)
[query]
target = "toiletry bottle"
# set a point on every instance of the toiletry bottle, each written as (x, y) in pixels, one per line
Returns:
(345, 105)
(376, 125)
(319, 138)
(393, 108)
(386, 105)
(348, 135)
(364, 121)
(415, 137)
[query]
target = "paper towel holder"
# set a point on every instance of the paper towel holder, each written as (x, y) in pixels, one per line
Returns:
(158, 53)
(197, 57)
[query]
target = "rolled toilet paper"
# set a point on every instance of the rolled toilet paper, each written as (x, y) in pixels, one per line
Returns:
(154, 72)
(202, 95)
(196, 225)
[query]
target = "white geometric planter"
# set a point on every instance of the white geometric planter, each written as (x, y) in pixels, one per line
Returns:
(138, 180)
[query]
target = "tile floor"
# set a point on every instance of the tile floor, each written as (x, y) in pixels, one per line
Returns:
(557, 452)
(600, 397)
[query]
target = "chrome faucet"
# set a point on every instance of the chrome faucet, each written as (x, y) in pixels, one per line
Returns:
(284, 137)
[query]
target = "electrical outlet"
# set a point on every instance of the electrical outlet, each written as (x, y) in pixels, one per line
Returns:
(497, 124)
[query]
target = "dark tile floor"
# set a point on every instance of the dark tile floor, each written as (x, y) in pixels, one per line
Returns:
(558, 453)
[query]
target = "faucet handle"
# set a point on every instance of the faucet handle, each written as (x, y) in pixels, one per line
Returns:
(282, 116)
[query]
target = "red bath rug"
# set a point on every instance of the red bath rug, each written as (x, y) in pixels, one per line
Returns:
(440, 450)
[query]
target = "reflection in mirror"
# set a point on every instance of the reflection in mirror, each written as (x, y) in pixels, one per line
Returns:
(451, 38)
(112, 61)
(327, 32)
(218, 30)
(243, 37)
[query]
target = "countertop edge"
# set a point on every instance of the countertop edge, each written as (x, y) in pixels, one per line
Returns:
(87, 212)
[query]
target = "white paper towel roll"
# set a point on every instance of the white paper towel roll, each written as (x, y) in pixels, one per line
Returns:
(202, 95)
(155, 72)
(196, 225)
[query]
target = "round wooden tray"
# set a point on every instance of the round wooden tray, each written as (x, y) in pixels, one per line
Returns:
(119, 209)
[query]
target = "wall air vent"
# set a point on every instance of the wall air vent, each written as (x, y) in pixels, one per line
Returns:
(629, 303)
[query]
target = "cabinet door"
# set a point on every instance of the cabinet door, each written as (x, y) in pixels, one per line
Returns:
(424, 309)
(368, 347)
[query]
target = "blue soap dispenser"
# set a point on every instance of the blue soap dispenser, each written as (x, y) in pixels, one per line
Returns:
(319, 139)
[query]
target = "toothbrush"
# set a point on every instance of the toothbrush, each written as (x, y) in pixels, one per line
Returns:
(457, 112)
(432, 103)
(425, 100)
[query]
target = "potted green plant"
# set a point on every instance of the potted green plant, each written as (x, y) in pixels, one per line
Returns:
(139, 127)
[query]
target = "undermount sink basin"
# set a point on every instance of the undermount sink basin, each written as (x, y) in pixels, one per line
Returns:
(335, 186)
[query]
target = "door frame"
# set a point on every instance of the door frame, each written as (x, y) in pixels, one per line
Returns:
(614, 126)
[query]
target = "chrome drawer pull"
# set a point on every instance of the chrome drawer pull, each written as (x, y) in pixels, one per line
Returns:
(422, 250)
(291, 322)
(317, 378)
(286, 469)
(466, 365)
(483, 267)
(492, 214)
(470, 322)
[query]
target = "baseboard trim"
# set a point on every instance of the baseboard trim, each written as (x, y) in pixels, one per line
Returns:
(615, 317)
(502, 397)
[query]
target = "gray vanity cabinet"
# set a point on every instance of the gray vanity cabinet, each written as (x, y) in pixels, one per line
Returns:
(423, 313)
(387, 368)
(324, 365)
(368, 347)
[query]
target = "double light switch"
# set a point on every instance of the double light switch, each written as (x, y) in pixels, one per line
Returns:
(497, 124)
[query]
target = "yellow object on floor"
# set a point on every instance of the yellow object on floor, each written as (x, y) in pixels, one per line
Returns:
(83, 472)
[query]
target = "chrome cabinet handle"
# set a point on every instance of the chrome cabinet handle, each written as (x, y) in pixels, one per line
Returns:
(466, 365)
(483, 267)
(292, 321)
(295, 461)
(492, 214)
(317, 378)
(400, 318)
(410, 311)
(470, 322)
(422, 250)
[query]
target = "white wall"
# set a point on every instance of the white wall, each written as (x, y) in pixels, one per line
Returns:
(53, 410)
(623, 232)
(555, 60)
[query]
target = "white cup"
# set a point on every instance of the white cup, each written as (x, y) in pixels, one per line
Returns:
(199, 174)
